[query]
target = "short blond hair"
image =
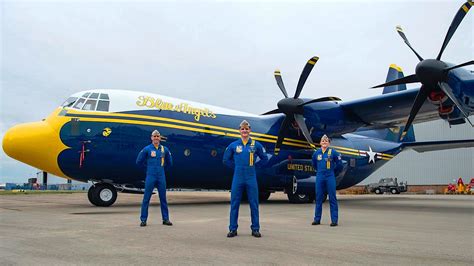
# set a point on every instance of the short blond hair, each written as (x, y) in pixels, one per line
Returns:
(244, 123)
(155, 133)
(326, 138)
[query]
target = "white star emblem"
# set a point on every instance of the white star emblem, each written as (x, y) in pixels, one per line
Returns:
(371, 155)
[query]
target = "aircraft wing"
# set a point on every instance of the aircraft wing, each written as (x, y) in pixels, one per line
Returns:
(388, 110)
(425, 146)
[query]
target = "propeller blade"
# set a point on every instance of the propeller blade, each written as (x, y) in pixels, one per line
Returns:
(454, 25)
(275, 111)
(323, 99)
(304, 75)
(402, 34)
(279, 81)
(449, 92)
(302, 125)
(461, 65)
(405, 80)
(282, 132)
(419, 100)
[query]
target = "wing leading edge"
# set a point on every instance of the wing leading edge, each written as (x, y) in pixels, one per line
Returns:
(425, 146)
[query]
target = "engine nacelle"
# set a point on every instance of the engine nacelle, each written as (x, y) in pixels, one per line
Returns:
(437, 97)
(451, 113)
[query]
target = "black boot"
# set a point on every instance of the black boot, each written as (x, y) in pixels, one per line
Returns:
(167, 222)
(316, 223)
(256, 233)
(333, 224)
(143, 223)
(232, 233)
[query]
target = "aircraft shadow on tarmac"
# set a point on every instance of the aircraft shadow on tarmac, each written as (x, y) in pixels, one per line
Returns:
(396, 203)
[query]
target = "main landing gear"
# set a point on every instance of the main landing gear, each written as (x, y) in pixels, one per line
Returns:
(298, 197)
(102, 194)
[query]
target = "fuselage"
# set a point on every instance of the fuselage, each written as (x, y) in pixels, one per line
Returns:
(98, 140)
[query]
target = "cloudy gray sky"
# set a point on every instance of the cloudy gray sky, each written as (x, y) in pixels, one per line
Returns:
(216, 52)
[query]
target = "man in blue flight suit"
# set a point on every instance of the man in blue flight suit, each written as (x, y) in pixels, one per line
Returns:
(240, 155)
(155, 158)
(327, 163)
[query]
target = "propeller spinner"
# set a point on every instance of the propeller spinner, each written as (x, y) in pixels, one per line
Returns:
(293, 107)
(431, 73)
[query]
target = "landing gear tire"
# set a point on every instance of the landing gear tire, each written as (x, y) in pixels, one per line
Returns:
(263, 196)
(394, 191)
(297, 198)
(102, 194)
(378, 191)
(245, 197)
(300, 198)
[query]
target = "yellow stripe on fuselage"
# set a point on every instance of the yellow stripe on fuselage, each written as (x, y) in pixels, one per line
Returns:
(207, 129)
(287, 140)
(231, 130)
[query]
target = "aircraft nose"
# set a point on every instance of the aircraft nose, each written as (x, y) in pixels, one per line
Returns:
(36, 144)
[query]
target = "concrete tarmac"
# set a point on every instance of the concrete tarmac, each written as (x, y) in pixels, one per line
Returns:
(374, 230)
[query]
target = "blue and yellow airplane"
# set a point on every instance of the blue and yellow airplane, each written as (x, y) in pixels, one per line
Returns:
(96, 135)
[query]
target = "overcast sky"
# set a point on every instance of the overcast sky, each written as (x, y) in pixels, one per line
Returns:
(216, 52)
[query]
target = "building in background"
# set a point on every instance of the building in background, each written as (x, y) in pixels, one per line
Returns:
(431, 168)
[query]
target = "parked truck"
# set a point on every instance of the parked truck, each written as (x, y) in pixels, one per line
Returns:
(388, 185)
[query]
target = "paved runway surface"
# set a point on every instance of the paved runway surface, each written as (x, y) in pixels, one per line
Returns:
(386, 229)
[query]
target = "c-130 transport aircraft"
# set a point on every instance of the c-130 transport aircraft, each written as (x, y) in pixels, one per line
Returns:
(96, 134)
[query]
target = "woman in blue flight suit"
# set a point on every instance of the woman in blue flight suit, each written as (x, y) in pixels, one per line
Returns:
(155, 158)
(327, 163)
(240, 155)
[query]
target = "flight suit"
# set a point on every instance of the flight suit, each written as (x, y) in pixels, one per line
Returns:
(327, 165)
(155, 159)
(241, 157)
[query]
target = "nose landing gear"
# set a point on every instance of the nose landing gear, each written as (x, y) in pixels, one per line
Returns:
(102, 194)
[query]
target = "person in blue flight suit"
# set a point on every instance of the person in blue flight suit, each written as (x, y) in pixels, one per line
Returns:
(155, 157)
(240, 155)
(327, 163)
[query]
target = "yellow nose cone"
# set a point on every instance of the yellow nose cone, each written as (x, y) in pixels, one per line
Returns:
(36, 144)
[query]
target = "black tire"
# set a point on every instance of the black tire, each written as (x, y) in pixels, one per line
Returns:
(300, 198)
(263, 196)
(378, 191)
(245, 197)
(394, 191)
(102, 194)
(91, 195)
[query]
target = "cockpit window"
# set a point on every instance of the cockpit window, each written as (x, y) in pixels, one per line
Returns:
(89, 101)
(103, 106)
(79, 103)
(69, 102)
(90, 105)
(104, 96)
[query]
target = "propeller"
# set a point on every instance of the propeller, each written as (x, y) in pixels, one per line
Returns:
(431, 73)
(293, 108)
